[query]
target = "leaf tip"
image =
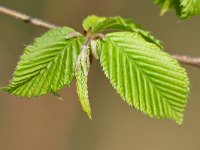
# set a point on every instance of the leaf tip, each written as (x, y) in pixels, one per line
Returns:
(57, 95)
(90, 116)
(179, 121)
(162, 12)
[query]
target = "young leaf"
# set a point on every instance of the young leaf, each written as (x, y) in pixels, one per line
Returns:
(46, 65)
(102, 24)
(91, 21)
(82, 91)
(144, 76)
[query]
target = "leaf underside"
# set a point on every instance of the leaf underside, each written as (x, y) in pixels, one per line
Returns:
(144, 76)
(47, 65)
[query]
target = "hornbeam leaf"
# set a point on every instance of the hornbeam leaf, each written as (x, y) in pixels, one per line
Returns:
(184, 8)
(144, 76)
(90, 22)
(113, 23)
(165, 5)
(82, 90)
(98, 24)
(190, 8)
(149, 38)
(46, 65)
(103, 24)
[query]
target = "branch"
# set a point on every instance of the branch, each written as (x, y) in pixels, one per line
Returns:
(192, 61)
(188, 60)
(25, 18)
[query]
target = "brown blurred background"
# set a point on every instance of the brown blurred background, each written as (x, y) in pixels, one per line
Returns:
(46, 123)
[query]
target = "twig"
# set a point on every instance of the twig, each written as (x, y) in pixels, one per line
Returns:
(192, 61)
(188, 60)
(25, 18)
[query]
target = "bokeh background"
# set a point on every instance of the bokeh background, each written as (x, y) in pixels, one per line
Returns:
(46, 123)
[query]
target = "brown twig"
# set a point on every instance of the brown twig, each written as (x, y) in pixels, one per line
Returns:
(25, 18)
(192, 61)
(188, 60)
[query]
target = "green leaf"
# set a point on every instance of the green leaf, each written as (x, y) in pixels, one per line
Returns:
(144, 76)
(82, 69)
(190, 8)
(46, 65)
(165, 4)
(103, 24)
(149, 38)
(91, 21)
(82, 91)
(99, 24)
(184, 8)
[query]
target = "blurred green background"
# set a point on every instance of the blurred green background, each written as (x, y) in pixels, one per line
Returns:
(46, 123)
